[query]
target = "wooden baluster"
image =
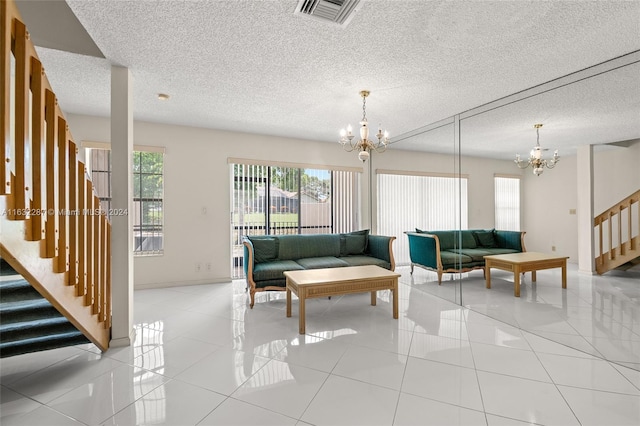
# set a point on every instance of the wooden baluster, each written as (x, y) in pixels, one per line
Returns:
(95, 218)
(35, 229)
(601, 256)
(51, 222)
(89, 240)
(107, 288)
(612, 255)
(103, 266)
(81, 289)
(633, 240)
(621, 250)
(17, 201)
(63, 213)
(74, 210)
(5, 106)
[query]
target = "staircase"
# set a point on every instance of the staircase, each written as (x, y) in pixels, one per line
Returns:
(28, 322)
(617, 235)
(55, 241)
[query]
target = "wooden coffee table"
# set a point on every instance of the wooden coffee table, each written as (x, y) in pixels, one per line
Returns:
(334, 281)
(519, 263)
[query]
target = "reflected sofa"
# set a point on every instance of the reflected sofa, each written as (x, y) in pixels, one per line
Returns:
(267, 257)
(460, 251)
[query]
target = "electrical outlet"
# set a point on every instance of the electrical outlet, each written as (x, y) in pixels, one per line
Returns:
(208, 266)
(198, 266)
(572, 211)
(553, 248)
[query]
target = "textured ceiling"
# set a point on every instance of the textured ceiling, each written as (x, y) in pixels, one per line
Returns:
(254, 66)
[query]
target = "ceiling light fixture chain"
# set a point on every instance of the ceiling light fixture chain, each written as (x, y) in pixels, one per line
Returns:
(535, 157)
(364, 146)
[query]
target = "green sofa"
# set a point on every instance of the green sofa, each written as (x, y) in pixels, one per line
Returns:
(267, 257)
(460, 251)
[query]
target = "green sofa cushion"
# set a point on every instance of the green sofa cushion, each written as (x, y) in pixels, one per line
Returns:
(274, 270)
(321, 262)
(447, 239)
(476, 255)
(493, 251)
(293, 247)
(451, 259)
(486, 239)
(365, 260)
(468, 239)
(353, 242)
(265, 249)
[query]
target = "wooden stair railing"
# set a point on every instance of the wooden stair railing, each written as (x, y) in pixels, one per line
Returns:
(53, 231)
(616, 231)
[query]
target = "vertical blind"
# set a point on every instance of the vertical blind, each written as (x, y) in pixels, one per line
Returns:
(507, 203)
(407, 202)
(276, 200)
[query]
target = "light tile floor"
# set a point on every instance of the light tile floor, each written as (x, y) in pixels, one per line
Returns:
(201, 356)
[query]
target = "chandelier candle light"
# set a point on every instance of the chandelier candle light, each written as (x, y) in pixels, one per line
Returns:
(535, 157)
(364, 145)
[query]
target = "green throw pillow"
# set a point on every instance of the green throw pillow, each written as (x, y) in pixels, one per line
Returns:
(354, 242)
(486, 239)
(265, 249)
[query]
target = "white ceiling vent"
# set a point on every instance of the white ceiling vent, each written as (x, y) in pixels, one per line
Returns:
(336, 11)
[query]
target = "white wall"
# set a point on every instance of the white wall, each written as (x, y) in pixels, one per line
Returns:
(197, 180)
(548, 198)
(616, 175)
(547, 202)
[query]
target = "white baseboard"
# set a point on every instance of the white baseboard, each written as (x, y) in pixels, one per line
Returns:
(181, 283)
(123, 341)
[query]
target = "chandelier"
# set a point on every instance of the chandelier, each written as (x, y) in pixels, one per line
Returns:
(535, 157)
(364, 146)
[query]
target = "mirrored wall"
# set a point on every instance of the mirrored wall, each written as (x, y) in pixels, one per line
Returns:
(596, 314)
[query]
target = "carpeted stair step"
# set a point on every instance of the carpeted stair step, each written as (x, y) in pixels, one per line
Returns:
(28, 322)
(27, 310)
(17, 289)
(41, 343)
(24, 330)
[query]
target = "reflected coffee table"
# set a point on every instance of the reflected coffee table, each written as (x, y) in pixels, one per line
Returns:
(325, 282)
(519, 263)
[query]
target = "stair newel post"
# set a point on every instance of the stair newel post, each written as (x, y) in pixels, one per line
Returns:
(51, 222)
(17, 200)
(35, 229)
(95, 218)
(62, 261)
(5, 106)
(89, 241)
(81, 288)
(74, 210)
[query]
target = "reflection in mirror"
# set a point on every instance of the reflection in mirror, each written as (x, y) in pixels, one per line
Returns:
(596, 314)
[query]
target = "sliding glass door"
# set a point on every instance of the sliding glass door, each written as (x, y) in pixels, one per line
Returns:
(276, 200)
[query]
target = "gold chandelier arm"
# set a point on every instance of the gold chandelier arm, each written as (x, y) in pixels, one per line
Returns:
(522, 164)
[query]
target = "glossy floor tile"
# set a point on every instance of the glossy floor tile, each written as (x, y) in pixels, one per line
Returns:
(201, 357)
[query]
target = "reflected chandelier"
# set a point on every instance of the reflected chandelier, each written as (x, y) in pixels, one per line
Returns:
(364, 146)
(535, 157)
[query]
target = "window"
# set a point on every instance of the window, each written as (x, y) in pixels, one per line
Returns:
(148, 193)
(410, 201)
(276, 200)
(507, 203)
(148, 188)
